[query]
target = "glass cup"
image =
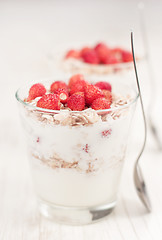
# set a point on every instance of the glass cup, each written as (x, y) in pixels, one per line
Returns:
(76, 157)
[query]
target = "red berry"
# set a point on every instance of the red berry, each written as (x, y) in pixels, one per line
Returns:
(37, 90)
(90, 56)
(111, 60)
(127, 56)
(84, 50)
(73, 54)
(100, 103)
(91, 93)
(106, 133)
(58, 85)
(102, 52)
(100, 46)
(49, 101)
(107, 94)
(117, 53)
(103, 85)
(78, 87)
(116, 50)
(76, 102)
(74, 79)
(63, 94)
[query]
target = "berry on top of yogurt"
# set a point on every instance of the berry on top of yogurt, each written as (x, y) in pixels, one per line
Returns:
(73, 53)
(77, 95)
(107, 95)
(75, 79)
(90, 56)
(100, 103)
(78, 87)
(76, 102)
(57, 85)
(49, 101)
(63, 94)
(127, 56)
(102, 51)
(91, 93)
(103, 85)
(37, 90)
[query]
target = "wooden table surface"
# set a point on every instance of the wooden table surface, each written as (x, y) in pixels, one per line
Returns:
(28, 32)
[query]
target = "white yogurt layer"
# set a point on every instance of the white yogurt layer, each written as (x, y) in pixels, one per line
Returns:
(77, 165)
(67, 187)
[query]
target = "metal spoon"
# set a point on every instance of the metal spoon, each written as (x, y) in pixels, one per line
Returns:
(152, 125)
(138, 177)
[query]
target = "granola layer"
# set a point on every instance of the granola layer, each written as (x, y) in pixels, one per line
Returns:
(66, 117)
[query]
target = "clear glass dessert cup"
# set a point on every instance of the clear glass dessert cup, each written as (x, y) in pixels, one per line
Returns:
(76, 158)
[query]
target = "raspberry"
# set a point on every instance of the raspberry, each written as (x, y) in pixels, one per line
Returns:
(90, 56)
(56, 85)
(49, 101)
(102, 52)
(37, 90)
(78, 87)
(107, 94)
(106, 133)
(91, 93)
(100, 103)
(76, 102)
(74, 79)
(63, 94)
(73, 54)
(127, 56)
(103, 85)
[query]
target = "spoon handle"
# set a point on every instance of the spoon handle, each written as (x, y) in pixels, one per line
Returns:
(138, 177)
(141, 101)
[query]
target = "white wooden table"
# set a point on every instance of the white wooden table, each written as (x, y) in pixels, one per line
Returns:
(28, 32)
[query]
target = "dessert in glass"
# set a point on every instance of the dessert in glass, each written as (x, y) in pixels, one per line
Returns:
(77, 131)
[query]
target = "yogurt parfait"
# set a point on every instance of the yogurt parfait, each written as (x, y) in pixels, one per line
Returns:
(76, 131)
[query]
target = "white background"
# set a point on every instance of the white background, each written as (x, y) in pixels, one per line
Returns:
(29, 32)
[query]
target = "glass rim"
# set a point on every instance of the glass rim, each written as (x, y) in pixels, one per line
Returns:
(44, 110)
